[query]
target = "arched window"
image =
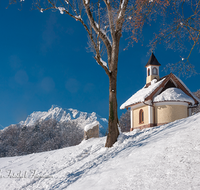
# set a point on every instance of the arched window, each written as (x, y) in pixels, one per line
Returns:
(141, 116)
(148, 71)
(155, 71)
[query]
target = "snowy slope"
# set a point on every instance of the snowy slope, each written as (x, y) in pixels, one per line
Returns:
(161, 158)
(61, 115)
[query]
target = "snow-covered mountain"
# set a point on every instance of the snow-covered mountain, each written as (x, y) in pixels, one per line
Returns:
(164, 157)
(61, 115)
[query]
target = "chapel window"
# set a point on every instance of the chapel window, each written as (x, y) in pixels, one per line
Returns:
(155, 71)
(141, 116)
(148, 71)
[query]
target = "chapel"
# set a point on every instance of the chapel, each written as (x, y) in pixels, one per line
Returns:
(161, 100)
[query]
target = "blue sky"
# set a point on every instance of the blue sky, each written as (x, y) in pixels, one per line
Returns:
(44, 61)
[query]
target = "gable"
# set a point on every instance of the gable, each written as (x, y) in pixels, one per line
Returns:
(169, 84)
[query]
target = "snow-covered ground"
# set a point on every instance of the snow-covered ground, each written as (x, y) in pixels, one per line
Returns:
(160, 158)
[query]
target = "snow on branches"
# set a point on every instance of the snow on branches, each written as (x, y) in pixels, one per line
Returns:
(61, 9)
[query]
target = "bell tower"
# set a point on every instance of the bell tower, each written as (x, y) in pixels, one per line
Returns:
(152, 69)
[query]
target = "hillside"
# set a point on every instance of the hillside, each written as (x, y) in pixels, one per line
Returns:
(44, 131)
(164, 157)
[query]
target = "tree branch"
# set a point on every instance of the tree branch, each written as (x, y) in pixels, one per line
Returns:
(98, 31)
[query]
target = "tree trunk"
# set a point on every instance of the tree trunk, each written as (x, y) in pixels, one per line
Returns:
(113, 132)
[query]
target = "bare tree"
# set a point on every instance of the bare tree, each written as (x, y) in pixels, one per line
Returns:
(16, 140)
(197, 109)
(104, 22)
(181, 31)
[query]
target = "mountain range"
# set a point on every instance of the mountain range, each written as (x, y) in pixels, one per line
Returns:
(63, 115)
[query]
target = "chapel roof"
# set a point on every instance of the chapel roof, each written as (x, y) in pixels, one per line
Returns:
(156, 87)
(173, 94)
(152, 61)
